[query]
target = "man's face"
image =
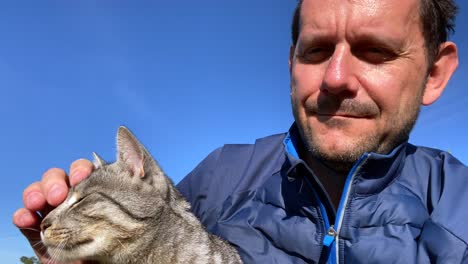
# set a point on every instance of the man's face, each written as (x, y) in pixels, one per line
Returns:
(357, 76)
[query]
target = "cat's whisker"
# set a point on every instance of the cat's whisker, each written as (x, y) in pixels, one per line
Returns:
(57, 252)
(49, 259)
(38, 243)
(52, 256)
(30, 229)
(124, 247)
(62, 245)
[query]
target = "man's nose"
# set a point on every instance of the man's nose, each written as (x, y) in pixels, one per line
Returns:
(339, 78)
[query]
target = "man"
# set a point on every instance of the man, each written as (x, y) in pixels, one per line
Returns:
(342, 185)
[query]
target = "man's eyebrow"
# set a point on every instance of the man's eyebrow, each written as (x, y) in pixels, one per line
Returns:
(316, 37)
(389, 41)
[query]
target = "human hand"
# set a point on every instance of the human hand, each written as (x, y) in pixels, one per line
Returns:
(40, 198)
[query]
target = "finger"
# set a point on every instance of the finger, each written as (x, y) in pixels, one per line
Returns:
(28, 222)
(79, 170)
(54, 186)
(24, 219)
(33, 198)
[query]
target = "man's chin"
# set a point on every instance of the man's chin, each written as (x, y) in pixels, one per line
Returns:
(342, 161)
(339, 152)
(338, 143)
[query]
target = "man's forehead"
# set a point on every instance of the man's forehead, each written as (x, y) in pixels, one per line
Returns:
(368, 8)
(360, 14)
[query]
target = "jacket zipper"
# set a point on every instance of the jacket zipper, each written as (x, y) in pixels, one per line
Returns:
(330, 236)
(334, 230)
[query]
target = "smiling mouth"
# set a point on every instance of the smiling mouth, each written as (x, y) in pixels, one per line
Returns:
(338, 115)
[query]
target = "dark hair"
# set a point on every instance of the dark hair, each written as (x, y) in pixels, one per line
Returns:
(437, 22)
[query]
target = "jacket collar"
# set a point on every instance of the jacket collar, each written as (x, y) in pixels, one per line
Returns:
(377, 171)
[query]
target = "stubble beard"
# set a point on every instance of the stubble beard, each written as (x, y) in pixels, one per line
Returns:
(402, 125)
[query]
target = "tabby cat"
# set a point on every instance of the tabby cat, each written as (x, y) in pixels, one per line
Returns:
(130, 212)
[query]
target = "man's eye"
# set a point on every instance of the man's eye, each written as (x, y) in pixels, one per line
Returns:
(315, 55)
(376, 55)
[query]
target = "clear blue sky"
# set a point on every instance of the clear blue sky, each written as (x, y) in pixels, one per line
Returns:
(186, 76)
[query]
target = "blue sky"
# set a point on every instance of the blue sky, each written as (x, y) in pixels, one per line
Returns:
(185, 76)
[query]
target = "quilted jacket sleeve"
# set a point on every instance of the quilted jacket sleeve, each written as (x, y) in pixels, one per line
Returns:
(196, 186)
(439, 245)
(445, 234)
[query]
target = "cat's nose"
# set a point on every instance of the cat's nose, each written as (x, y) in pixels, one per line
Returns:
(45, 224)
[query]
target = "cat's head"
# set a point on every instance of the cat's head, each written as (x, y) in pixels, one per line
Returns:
(115, 206)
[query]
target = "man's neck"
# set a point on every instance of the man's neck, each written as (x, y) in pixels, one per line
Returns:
(332, 180)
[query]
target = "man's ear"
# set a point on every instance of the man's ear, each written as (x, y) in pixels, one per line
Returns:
(444, 66)
(292, 50)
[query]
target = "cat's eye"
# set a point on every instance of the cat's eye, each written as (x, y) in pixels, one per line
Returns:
(75, 200)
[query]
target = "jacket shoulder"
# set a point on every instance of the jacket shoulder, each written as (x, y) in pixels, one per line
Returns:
(448, 185)
(229, 169)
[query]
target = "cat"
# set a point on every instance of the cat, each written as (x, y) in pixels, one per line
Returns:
(130, 212)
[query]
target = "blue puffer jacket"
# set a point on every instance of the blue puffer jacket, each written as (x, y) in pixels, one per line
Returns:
(410, 206)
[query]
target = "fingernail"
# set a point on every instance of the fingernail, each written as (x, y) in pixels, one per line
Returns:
(55, 192)
(34, 199)
(24, 220)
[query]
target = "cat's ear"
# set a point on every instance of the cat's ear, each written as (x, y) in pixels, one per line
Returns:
(98, 161)
(129, 152)
(135, 158)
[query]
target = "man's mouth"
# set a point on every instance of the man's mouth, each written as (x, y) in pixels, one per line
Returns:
(342, 115)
